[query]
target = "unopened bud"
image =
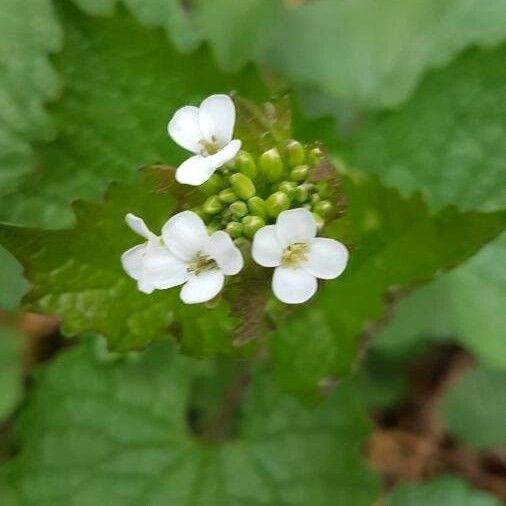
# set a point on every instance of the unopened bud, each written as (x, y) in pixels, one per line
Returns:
(242, 185)
(244, 163)
(238, 209)
(227, 196)
(277, 203)
(212, 205)
(324, 189)
(295, 153)
(299, 173)
(288, 187)
(251, 224)
(323, 208)
(271, 165)
(256, 207)
(314, 156)
(315, 198)
(320, 222)
(213, 185)
(234, 229)
(301, 194)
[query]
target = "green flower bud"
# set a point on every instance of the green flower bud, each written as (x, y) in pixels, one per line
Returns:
(244, 163)
(320, 222)
(271, 165)
(234, 229)
(256, 207)
(212, 205)
(314, 156)
(213, 185)
(324, 189)
(251, 224)
(295, 153)
(212, 228)
(299, 173)
(198, 210)
(288, 187)
(323, 208)
(315, 198)
(276, 203)
(227, 196)
(238, 209)
(242, 185)
(301, 193)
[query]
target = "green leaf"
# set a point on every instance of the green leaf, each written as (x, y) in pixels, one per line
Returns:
(122, 84)
(474, 408)
(447, 490)
(246, 38)
(169, 14)
(77, 275)
(12, 284)
(121, 437)
(464, 305)
(396, 244)
(11, 388)
(28, 33)
(448, 140)
(373, 53)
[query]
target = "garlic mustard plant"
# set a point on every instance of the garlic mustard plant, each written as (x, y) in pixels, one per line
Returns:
(269, 205)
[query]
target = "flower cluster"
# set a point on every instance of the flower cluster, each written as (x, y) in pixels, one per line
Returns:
(271, 200)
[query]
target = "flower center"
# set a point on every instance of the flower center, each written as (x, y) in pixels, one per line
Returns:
(201, 263)
(294, 254)
(209, 147)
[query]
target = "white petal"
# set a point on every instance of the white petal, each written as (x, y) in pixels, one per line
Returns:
(139, 227)
(162, 269)
(132, 260)
(203, 287)
(293, 286)
(217, 118)
(327, 258)
(145, 287)
(225, 155)
(267, 249)
(196, 170)
(295, 225)
(185, 235)
(225, 252)
(184, 128)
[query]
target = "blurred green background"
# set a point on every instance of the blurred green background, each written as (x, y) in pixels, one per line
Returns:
(411, 92)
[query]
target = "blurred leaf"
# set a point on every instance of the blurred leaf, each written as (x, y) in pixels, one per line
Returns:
(247, 35)
(12, 283)
(474, 409)
(11, 351)
(447, 490)
(373, 53)
(396, 243)
(464, 305)
(448, 140)
(121, 437)
(122, 84)
(77, 275)
(169, 14)
(28, 32)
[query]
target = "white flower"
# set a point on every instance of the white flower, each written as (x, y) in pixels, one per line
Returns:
(206, 131)
(142, 262)
(199, 261)
(299, 257)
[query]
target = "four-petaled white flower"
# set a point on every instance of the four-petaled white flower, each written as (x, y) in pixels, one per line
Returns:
(188, 256)
(206, 131)
(299, 257)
